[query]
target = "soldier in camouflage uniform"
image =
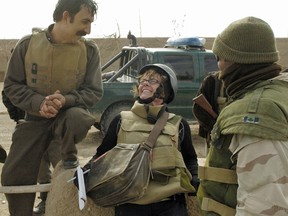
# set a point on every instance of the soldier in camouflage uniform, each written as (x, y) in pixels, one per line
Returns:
(246, 168)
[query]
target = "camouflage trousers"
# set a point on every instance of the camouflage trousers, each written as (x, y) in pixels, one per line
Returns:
(262, 176)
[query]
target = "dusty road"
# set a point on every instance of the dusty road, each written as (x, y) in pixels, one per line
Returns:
(86, 148)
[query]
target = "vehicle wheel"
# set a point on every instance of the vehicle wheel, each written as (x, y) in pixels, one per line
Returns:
(111, 112)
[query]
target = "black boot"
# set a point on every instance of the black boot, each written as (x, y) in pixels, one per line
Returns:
(40, 208)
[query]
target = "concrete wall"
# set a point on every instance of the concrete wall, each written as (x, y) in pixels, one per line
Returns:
(111, 46)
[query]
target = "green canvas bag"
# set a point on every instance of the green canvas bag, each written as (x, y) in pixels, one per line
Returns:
(122, 174)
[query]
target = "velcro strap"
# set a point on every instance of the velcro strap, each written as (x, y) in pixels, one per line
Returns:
(254, 103)
(217, 174)
(214, 206)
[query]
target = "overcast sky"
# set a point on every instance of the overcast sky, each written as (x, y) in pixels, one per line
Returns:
(148, 18)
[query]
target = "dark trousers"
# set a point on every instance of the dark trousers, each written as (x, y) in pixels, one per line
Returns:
(51, 157)
(29, 142)
(163, 208)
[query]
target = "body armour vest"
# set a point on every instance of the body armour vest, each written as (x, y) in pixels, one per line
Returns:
(50, 67)
(136, 129)
(258, 112)
(261, 112)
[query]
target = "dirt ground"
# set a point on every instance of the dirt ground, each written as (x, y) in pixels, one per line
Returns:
(86, 148)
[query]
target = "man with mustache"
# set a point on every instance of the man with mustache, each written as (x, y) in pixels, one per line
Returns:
(54, 76)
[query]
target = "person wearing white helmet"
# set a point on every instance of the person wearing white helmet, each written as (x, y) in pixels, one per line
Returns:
(157, 87)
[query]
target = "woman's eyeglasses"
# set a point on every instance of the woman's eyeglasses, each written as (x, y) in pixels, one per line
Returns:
(150, 81)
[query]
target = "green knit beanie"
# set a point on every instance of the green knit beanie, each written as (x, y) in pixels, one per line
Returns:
(247, 41)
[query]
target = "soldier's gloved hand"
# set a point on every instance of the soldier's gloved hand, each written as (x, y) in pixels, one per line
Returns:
(195, 182)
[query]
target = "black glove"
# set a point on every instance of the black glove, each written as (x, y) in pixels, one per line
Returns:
(3, 154)
(195, 182)
(85, 176)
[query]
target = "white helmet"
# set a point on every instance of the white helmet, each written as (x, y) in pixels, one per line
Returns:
(170, 90)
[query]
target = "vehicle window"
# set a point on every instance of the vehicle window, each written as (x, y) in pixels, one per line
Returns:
(131, 73)
(210, 64)
(182, 65)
